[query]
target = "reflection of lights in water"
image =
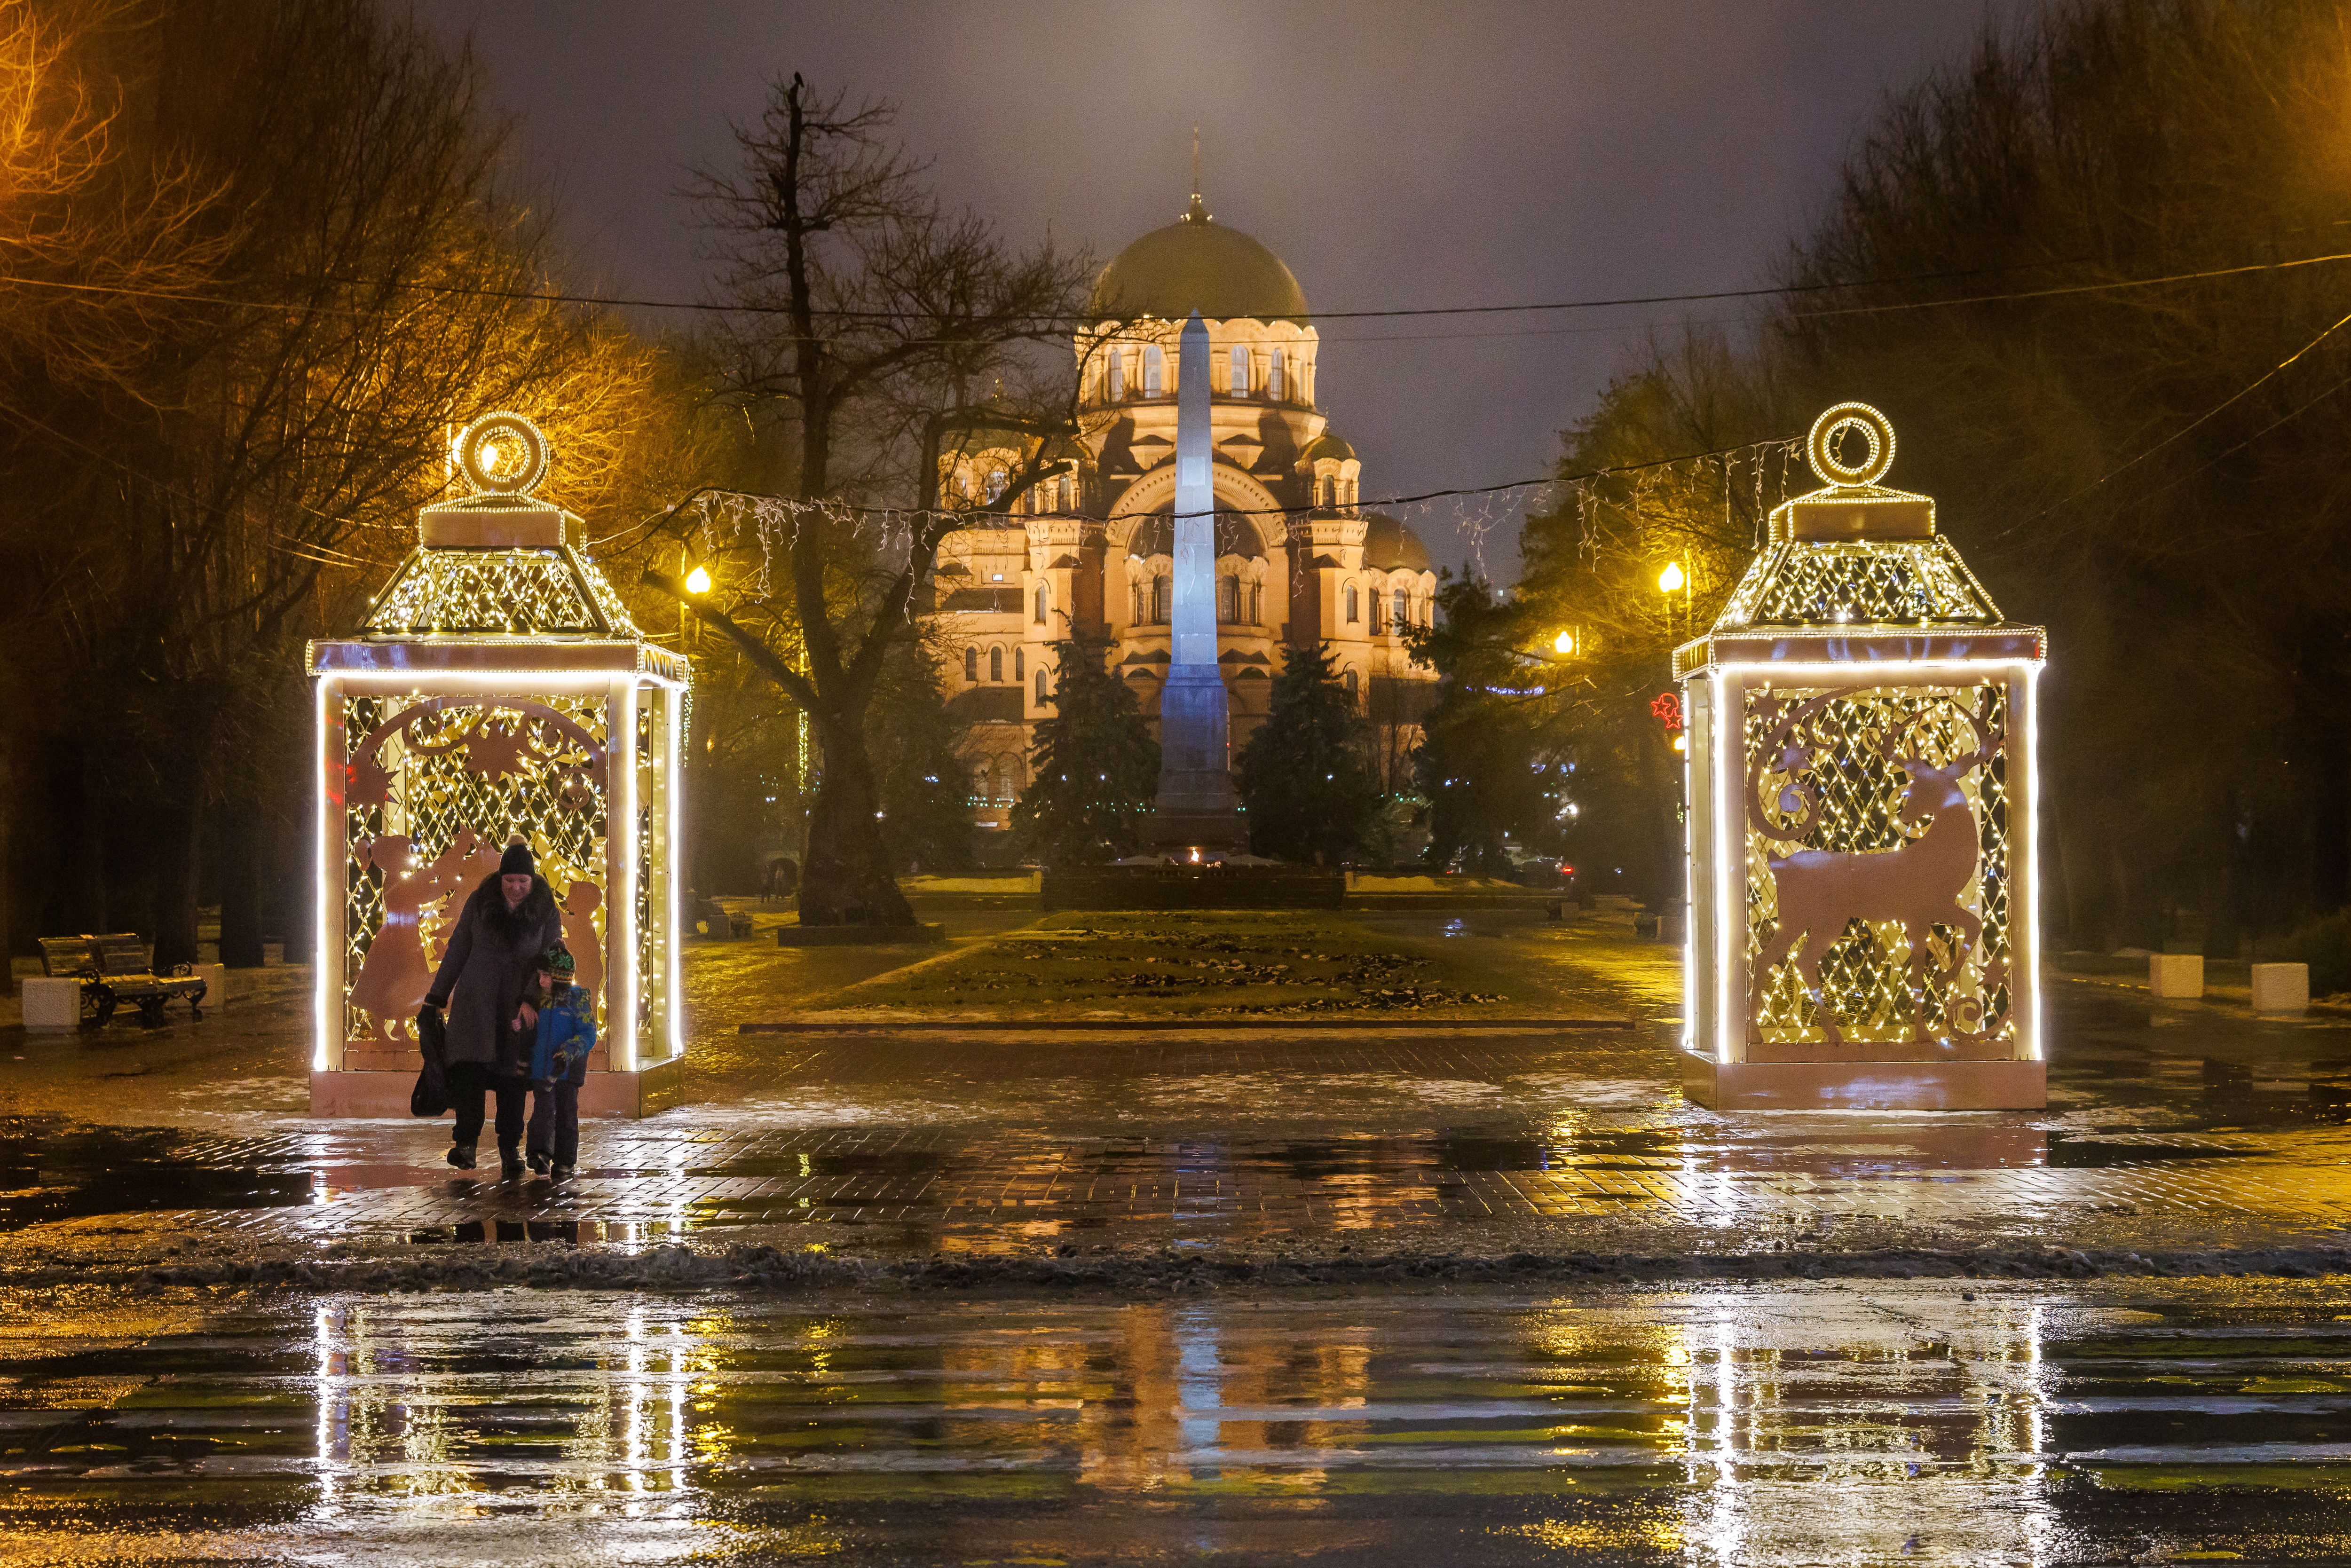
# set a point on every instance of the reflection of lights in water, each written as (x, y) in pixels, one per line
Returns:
(334, 1436)
(1802, 1393)
(677, 1377)
(1198, 1379)
(634, 1454)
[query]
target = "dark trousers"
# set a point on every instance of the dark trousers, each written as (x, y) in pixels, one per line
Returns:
(468, 1082)
(555, 1120)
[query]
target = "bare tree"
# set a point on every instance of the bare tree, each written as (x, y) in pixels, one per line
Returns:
(867, 320)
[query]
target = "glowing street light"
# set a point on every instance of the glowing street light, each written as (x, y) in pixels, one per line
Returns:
(1565, 642)
(698, 581)
(1670, 580)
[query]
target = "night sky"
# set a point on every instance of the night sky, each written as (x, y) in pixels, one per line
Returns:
(1395, 155)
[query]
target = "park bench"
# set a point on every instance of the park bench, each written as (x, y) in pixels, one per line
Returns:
(113, 968)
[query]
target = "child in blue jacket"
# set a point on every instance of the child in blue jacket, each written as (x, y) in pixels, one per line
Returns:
(558, 1066)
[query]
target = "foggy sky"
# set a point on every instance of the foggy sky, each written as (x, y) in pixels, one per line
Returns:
(1395, 155)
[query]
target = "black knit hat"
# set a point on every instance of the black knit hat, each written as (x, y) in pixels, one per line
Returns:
(559, 962)
(517, 860)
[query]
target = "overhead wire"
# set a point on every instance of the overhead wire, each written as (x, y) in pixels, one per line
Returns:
(562, 297)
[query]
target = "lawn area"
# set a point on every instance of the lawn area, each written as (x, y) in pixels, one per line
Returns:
(1210, 964)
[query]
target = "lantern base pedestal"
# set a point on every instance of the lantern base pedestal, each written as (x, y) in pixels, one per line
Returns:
(644, 1093)
(1865, 1085)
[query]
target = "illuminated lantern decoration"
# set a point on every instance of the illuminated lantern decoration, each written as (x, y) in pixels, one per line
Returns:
(498, 691)
(1862, 878)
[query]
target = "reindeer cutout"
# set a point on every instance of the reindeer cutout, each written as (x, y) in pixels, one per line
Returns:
(1918, 881)
(395, 974)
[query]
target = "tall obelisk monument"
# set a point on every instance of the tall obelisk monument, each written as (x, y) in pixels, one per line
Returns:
(1196, 808)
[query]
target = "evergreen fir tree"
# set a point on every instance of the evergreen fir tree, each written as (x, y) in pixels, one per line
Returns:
(1094, 770)
(1483, 765)
(1304, 775)
(923, 786)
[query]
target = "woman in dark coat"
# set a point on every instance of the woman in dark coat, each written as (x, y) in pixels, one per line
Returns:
(508, 923)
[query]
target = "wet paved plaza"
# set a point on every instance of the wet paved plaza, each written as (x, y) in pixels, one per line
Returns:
(2169, 1126)
(1212, 1401)
(2147, 1422)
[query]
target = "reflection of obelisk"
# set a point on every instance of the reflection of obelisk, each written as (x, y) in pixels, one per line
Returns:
(1196, 804)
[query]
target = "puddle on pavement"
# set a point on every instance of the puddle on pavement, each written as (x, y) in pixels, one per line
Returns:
(49, 1174)
(1689, 1426)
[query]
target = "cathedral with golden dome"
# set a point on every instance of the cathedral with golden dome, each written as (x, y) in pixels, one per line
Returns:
(1088, 551)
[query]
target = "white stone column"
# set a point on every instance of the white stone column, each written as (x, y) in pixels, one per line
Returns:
(1196, 807)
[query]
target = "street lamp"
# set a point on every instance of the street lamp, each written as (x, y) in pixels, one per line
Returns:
(698, 581)
(1670, 580)
(1565, 642)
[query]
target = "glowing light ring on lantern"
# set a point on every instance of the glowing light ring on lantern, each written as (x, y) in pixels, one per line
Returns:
(1820, 446)
(480, 453)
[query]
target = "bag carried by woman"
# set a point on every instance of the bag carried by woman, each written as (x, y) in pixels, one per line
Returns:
(431, 1096)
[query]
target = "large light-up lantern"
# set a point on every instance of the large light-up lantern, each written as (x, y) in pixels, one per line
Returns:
(1862, 877)
(498, 691)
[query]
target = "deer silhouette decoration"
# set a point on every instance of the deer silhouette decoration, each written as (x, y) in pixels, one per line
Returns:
(1917, 882)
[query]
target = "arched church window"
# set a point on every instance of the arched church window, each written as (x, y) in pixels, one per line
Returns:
(1240, 371)
(1066, 493)
(1348, 681)
(995, 664)
(1043, 598)
(1353, 616)
(1114, 373)
(1155, 365)
(1403, 608)
(1019, 662)
(1273, 375)
(1041, 693)
(1229, 598)
(1256, 604)
(995, 485)
(971, 664)
(1158, 600)
(1137, 616)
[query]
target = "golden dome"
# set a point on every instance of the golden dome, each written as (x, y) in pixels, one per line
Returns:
(1197, 263)
(1389, 545)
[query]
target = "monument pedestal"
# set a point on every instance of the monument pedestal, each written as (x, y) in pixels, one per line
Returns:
(1197, 807)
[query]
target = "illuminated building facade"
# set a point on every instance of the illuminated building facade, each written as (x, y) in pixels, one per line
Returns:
(497, 691)
(1092, 548)
(1862, 784)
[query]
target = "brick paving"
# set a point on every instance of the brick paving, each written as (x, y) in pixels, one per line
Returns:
(2167, 1127)
(1525, 1152)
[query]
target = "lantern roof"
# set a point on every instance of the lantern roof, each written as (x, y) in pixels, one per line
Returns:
(499, 562)
(1855, 553)
(1856, 570)
(496, 583)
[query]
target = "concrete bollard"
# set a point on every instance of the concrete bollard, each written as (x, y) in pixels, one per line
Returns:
(2175, 974)
(215, 979)
(2281, 987)
(52, 1003)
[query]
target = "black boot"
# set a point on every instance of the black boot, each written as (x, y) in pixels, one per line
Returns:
(510, 1163)
(462, 1155)
(538, 1162)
